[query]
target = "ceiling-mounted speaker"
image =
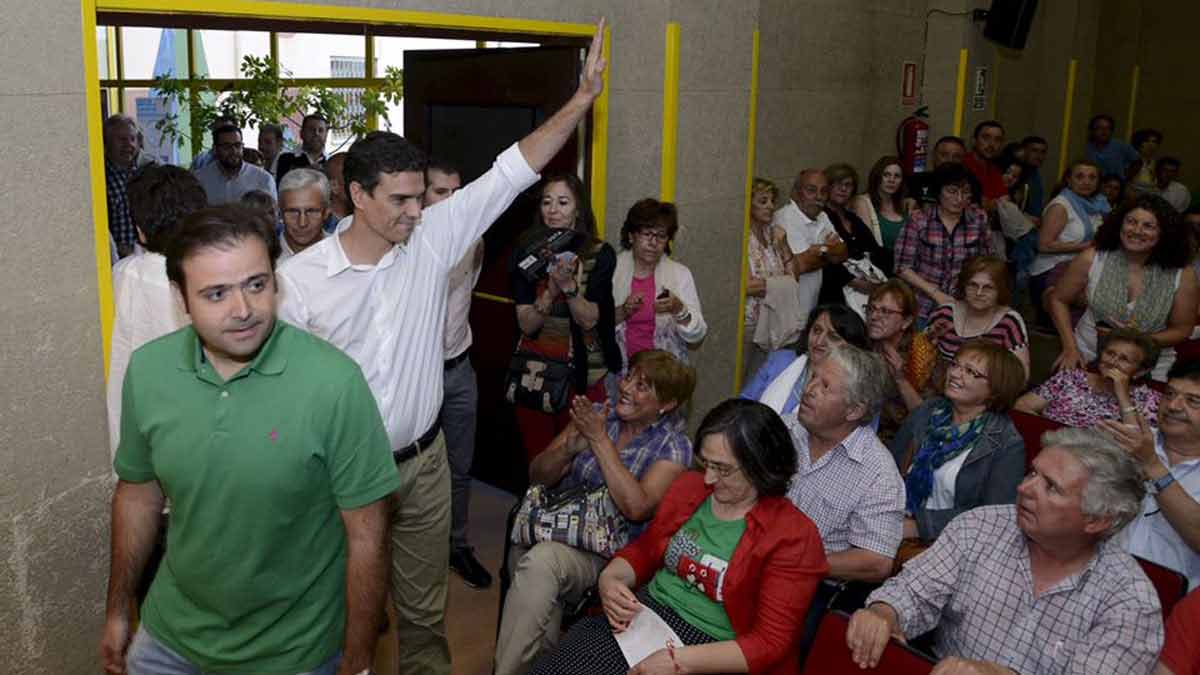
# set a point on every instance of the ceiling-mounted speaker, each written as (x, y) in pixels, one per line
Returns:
(1008, 22)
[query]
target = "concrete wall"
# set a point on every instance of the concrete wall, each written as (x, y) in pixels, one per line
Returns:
(53, 444)
(1158, 36)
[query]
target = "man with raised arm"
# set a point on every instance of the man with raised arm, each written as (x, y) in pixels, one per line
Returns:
(377, 289)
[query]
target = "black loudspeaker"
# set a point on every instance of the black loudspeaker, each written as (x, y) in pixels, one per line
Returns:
(1008, 22)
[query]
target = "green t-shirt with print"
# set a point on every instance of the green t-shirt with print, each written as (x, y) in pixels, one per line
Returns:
(692, 578)
(257, 470)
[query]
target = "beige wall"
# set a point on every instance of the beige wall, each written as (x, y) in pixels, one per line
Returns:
(1160, 37)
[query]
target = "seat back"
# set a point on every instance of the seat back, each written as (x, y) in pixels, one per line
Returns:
(1031, 428)
(1170, 585)
(831, 656)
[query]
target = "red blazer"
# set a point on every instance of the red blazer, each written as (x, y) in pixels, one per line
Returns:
(771, 578)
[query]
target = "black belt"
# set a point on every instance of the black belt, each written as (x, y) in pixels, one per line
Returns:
(450, 363)
(418, 446)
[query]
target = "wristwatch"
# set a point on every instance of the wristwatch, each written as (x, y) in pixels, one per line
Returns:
(1158, 485)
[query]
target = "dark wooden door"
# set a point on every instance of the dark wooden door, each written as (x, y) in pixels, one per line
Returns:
(467, 106)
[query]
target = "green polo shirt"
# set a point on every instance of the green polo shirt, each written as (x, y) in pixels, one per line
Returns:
(257, 470)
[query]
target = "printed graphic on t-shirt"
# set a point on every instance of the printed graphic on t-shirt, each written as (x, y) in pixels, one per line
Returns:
(704, 571)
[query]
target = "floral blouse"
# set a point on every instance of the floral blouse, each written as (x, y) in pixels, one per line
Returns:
(765, 262)
(1071, 401)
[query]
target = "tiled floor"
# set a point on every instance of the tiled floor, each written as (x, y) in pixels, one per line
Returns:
(471, 615)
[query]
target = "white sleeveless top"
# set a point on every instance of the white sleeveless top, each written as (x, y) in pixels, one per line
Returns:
(1071, 234)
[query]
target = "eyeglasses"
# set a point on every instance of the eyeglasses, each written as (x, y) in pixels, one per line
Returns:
(957, 193)
(1192, 401)
(653, 235)
(722, 470)
(229, 146)
(883, 311)
(975, 374)
(309, 214)
(981, 289)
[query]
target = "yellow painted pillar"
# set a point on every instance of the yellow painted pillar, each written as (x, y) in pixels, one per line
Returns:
(960, 92)
(1065, 139)
(91, 78)
(751, 139)
(1135, 79)
(670, 131)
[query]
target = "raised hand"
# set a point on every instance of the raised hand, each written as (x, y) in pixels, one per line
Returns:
(591, 80)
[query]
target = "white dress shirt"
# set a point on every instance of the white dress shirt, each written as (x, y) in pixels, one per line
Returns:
(802, 233)
(285, 249)
(223, 190)
(146, 309)
(391, 317)
(1152, 537)
(463, 277)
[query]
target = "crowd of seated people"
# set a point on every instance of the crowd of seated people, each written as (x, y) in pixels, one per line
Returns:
(870, 462)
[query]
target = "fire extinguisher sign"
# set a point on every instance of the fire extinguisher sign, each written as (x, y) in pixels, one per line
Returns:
(908, 83)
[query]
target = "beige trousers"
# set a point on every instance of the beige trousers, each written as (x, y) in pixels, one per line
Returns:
(545, 579)
(420, 542)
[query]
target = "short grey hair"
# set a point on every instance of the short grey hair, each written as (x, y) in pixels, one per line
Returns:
(301, 179)
(112, 121)
(804, 173)
(1115, 487)
(867, 383)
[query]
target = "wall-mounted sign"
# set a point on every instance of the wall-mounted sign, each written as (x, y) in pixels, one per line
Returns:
(979, 97)
(908, 83)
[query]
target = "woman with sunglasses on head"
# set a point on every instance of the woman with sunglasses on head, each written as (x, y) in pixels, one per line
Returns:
(960, 450)
(780, 381)
(908, 354)
(981, 311)
(1138, 276)
(728, 563)
(657, 305)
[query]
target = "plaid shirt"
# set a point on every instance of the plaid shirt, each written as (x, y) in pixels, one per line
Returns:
(854, 493)
(975, 586)
(120, 220)
(663, 440)
(937, 256)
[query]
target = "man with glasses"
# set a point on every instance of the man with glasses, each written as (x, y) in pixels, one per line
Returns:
(228, 178)
(810, 235)
(304, 207)
(1167, 531)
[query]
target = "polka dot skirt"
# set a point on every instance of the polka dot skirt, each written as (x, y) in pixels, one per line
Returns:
(589, 648)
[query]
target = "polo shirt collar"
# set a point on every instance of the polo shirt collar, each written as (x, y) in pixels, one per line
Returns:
(271, 359)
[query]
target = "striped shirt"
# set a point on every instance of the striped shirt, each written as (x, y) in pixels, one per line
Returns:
(975, 585)
(946, 329)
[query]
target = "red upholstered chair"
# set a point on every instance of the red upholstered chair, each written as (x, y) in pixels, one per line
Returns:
(1171, 585)
(831, 656)
(1031, 428)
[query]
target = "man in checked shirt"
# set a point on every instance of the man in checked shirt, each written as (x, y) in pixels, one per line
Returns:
(1039, 587)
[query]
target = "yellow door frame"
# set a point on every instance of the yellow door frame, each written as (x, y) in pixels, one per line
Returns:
(325, 13)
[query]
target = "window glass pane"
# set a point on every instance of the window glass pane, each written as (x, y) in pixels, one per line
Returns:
(389, 51)
(150, 51)
(102, 51)
(219, 53)
(317, 55)
(505, 45)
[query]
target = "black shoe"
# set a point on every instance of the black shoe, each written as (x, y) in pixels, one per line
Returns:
(462, 561)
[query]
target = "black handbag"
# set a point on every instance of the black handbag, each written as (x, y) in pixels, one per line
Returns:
(537, 382)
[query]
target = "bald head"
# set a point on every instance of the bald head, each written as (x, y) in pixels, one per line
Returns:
(810, 192)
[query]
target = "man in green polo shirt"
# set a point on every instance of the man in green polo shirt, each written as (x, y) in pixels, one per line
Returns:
(269, 446)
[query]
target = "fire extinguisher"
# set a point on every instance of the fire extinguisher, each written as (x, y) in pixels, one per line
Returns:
(912, 141)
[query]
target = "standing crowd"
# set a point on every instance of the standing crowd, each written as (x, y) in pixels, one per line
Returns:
(292, 413)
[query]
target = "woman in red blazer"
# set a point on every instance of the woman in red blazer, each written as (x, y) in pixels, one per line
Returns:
(728, 562)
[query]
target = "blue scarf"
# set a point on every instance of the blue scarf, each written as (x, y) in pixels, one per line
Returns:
(943, 443)
(1086, 208)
